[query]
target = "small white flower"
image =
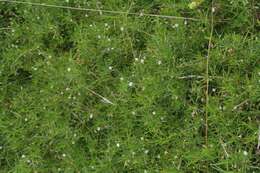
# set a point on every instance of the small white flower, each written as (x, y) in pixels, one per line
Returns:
(75, 135)
(98, 128)
(1, 147)
(63, 155)
(110, 67)
(175, 25)
(109, 39)
(23, 156)
(67, 89)
(142, 61)
(130, 84)
(146, 151)
(91, 116)
(158, 156)
(121, 78)
(118, 145)
(28, 161)
(213, 9)
(133, 113)
(91, 25)
(67, 1)
(106, 25)
(136, 59)
(122, 28)
(73, 142)
(185, 22)
(245, 153)
(25, 119)
(153, 112)
(99, 37)
(214, 89)
(142, 138)
(69, 69)
(159, 62)
(86, 15)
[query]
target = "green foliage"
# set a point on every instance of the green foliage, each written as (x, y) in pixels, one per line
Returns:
(82, 91)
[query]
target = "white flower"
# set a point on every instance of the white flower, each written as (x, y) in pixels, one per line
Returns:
(133, 113)
(86, 15)
(23, 156)
(214, 89)
(136, 59)
(91, 116)
(99, 37)
(175, 26)
(146, 151)
(213, 9)
(69, 69)
(130, 84)
(142, 61)
(118, 145)
(110, 67)
(121, 78)
(1, 147)
(142, 138)
(25, 119)
(98, 128)
(106, 25)
(245, 153)
(153, 112)
(63, 155)
(122, 28)
(159, 62)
